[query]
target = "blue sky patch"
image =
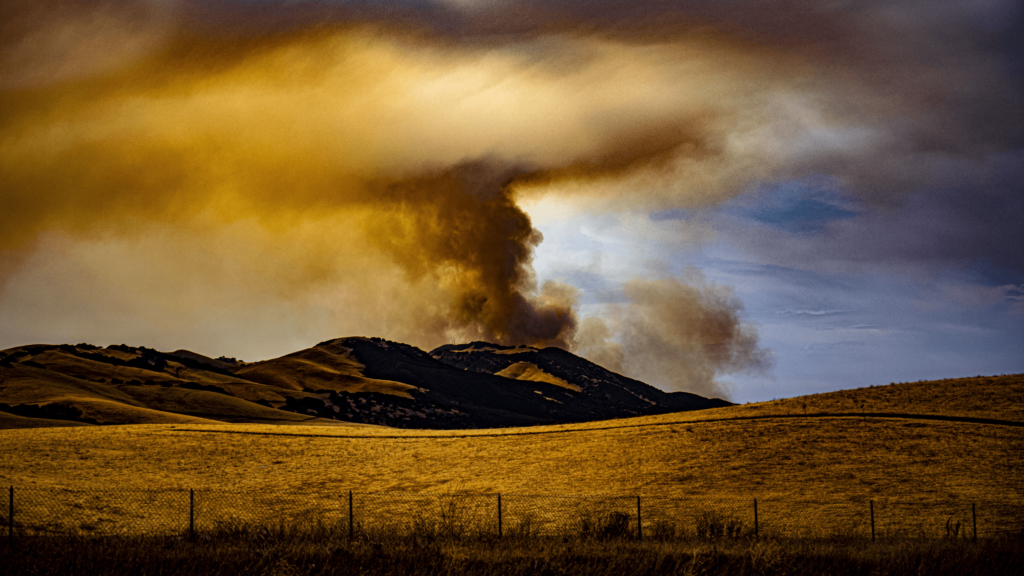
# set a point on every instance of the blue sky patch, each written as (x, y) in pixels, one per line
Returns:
(796, 207)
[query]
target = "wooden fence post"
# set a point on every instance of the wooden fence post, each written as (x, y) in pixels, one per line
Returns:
(756, 532)
(499, 515)
(871, 504)
(974, 521)
(191, 513)
(351, 530)
(639, 521)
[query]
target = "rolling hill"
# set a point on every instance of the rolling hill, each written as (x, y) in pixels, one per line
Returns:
(613, 392)
(338, 382)
(822, 466)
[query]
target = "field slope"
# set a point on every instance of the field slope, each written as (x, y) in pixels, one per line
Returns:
(784, 451)
(950, 445)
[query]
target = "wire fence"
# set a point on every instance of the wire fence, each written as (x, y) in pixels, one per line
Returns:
(37, 512)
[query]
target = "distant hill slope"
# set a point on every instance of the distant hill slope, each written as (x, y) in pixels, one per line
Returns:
(131, 385)
(603, 388)
(991, 397)
(347, 380)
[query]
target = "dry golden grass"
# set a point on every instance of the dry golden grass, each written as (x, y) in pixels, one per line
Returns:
(124, 403)
(277, 552)
(859, 458)
(92, 371)
(146, 404)
(667, 454)
(996, 397)
(12, 421)
(120, 394)
(324, 367)
(702, 455)
(531, 372)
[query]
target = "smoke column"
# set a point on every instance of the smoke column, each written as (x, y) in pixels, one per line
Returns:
(462, 227)
(204, 156)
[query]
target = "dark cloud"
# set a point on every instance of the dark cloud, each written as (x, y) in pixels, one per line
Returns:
(969, 227)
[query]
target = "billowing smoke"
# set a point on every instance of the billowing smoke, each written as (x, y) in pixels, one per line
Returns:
(408, 148)
(207, 157)
(676, 335)
(461, 226)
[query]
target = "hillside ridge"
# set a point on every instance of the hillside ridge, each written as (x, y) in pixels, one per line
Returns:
(342, 381)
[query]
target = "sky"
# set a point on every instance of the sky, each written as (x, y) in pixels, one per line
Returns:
(748, 199)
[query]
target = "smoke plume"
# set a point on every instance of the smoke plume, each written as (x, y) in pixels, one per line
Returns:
(676, 335)
(343, 153)
(462, 228)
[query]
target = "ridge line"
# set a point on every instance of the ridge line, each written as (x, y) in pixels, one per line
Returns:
(886, 415)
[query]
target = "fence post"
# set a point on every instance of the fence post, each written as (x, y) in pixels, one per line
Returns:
(10, 516)
(871, 504)
(499, 515)
(639, 523)
(755, 519)
(191, 513)
(974, 521)
(350, 524)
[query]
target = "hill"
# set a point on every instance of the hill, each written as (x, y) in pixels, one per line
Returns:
(827, 462)
(338, 382)
(612, 392)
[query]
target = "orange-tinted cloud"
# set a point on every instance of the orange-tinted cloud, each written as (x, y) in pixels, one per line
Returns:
(420, 143)
(399, 142)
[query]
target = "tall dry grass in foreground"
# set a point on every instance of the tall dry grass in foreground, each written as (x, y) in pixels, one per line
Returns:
(282, 552)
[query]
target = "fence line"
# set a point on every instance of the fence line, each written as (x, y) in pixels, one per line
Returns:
(36, 511)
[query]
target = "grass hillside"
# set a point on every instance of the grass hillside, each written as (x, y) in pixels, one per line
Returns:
(527, 371)
(710, 453)
(328, 366)
(10, 421)
(125, 385)
(994, 397)
(812, 474)
(556, 366)
(342, 381)
(158, 400)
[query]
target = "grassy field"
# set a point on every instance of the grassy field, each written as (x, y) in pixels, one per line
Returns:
(710, 451)
(816, 462)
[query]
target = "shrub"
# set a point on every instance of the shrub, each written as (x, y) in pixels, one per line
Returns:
(526, 527)
(713, 525)
(605, 525)
(447, 522)
(662, 530)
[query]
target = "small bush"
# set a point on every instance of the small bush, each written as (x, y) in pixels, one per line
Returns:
(605, 526)
(452, 521)
(526, 527)
(717, 526)
(447, 522)
(663, 530)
